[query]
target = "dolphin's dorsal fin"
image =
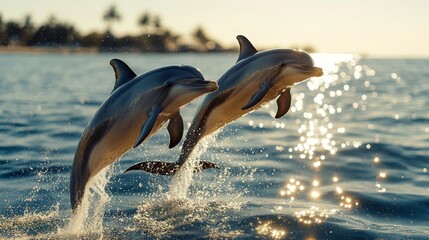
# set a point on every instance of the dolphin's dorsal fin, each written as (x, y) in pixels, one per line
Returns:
(123, 73)
(246, 48)
(148, 125)
(283, 103)
(175, 128)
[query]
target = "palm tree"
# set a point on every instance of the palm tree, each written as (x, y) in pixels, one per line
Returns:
(111, 16)
(27, 30)
(201, 38)
(144, 21)
(157, 23)
(1, 23)
(28, 23)
(3, 36)
(52, 21)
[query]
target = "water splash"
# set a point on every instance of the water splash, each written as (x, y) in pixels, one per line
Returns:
(88, 219)
(193, 205)
(22, 226)
(160, 216)
(182, 180)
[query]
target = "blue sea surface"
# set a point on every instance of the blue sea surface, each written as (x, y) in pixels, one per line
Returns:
(349, 161)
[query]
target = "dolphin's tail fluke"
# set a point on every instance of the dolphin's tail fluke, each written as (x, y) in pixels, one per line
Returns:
(78, 181)
(166, 168)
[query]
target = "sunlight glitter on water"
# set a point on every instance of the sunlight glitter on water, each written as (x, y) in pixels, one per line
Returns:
(314, 215)
(348, 202)
(266, 229)
(318, 133)
(292, 189)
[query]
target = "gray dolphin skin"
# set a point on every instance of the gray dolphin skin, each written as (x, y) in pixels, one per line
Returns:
(137, 107)
(256, 78)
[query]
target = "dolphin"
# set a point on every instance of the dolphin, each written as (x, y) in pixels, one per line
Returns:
(255, 79)
(137, 107)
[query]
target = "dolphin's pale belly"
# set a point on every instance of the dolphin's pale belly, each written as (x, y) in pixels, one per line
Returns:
(230, 109)
(119, 139)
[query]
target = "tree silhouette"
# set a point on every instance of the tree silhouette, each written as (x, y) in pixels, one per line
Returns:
(3, 36)
(111, 16)
(27, 30)
(1, 23)
(170, 40)
(52, 21)
(13, 31)
(147, 22)
(144, 21)
(55, 33)
(201, 38)
(157, 23)
(28, 23)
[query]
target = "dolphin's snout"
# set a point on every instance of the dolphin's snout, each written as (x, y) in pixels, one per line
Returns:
(209, 86)
(212, 86)
(200, 83)
(318, 71)
(310, 70)
(314, 71)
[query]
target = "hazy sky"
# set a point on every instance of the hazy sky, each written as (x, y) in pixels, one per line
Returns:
(375, 27)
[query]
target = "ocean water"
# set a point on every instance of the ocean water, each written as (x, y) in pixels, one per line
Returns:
(349, 161)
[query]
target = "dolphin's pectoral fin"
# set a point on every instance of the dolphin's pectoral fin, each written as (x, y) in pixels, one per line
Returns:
(175, 128)
(123, 73)
(166, 168)
(259, 95)
(283, 103)
(148, 125)
(246, 48)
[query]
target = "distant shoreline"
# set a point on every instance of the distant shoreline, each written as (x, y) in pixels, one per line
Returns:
(46, 50)
(95, 50)
(83, 50)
